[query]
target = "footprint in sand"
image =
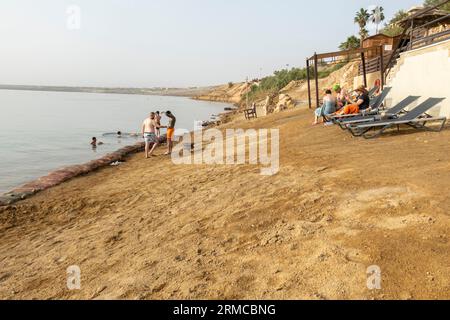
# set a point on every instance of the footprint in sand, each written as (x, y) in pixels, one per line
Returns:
(115, 238)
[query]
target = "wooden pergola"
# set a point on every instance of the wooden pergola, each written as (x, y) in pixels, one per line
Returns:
(341, 56)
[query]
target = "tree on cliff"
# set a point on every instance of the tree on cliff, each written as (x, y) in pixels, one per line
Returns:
(393, 28)
(431, 3)
(352, 42)
(361, 19)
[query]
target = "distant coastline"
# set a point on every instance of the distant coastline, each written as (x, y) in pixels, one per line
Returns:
(181, 92)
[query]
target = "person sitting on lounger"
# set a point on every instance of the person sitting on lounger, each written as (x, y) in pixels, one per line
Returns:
(362, 103)
(328, 107)
(342, 97)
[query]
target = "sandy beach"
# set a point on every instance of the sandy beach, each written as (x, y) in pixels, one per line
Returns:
(148, 229)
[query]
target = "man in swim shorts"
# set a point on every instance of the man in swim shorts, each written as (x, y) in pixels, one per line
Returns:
(170, 131)
(149, 127)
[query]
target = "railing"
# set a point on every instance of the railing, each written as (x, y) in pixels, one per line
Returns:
(374, 64)
(414, 36)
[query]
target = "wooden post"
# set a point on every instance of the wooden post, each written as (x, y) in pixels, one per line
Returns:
(316, 75)
(309, 83)
(363, 61)
(382, 66)
(411, 38)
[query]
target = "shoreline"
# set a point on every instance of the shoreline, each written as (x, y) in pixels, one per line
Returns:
(315, 215)
(55, 178)
(67, 173)
(171, 92)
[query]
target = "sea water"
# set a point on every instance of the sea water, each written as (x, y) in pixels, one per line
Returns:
(43, 131)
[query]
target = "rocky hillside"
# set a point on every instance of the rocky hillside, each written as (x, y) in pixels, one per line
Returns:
(231, 93)
(296, 91)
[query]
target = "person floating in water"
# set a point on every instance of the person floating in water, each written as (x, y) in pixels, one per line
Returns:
(119, 134)
(170, 131)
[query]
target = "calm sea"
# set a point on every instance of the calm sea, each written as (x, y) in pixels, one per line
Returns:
(44, 131)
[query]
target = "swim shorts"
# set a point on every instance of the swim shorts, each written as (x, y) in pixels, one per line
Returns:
(170, 133)
(150, 138)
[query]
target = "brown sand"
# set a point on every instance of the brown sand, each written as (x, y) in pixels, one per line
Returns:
(152, 230)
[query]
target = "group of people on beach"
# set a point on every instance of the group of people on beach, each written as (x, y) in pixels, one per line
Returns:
(342, 102)
(151, 133)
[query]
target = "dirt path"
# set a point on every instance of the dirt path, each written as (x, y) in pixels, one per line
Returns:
(153, 230)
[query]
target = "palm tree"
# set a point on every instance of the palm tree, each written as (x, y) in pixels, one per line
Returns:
(361, 19)
(351, 43)
(364, 34)
(377, 16)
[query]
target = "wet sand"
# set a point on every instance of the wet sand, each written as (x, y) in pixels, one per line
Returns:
(148, 229)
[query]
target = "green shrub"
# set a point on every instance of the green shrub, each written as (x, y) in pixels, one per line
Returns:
(280, 79)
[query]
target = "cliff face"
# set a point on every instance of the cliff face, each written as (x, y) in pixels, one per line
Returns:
(226, 93)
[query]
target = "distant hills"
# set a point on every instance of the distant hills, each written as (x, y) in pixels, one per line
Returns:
(183, 92)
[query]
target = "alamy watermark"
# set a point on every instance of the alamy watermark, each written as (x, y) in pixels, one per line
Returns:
(73, 21)
(73, 278)
(233, 147)
(374, 278)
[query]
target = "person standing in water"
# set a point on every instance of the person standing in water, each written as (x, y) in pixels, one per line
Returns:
(158, 122)
(149, 127)
(170, 131)
(95, 143)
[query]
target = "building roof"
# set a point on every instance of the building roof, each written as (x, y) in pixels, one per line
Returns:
(422, 15)
(379, 35)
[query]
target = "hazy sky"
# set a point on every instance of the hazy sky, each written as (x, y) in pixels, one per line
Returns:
(146, 43)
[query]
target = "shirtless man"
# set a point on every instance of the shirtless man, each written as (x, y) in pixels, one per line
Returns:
(170, 131)
(149, 133)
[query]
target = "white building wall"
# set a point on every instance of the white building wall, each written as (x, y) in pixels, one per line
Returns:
(423, 72)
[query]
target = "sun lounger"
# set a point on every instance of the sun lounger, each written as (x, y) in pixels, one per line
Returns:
(372, 91)
(416, 118)
(378, 101)
(395, 111)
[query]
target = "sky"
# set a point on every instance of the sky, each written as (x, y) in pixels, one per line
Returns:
(168, 43)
